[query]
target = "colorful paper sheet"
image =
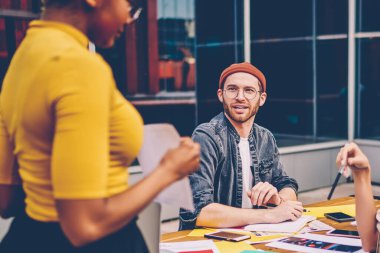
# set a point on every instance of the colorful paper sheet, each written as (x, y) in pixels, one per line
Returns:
(228, 247)
(200, 232)
(266, 238)
(319, 212)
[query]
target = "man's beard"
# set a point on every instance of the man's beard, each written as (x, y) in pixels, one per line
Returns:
(241, 118)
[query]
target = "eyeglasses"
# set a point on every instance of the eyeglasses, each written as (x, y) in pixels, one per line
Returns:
(135, 13)
(248, 93)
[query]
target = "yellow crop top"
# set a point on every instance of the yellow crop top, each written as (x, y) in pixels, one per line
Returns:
(64, 121)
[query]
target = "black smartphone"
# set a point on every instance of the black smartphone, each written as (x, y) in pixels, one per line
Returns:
(339, 216)
(228, 236)
(345, 233)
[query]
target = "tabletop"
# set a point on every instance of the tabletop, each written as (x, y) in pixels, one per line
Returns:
(181, 236)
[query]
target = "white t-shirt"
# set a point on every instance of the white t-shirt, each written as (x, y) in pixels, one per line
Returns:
(245, 156)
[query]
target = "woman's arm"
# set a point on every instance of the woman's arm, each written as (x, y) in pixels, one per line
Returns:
(82, 97)
(351, 155)
(84, 221)
(365, 210)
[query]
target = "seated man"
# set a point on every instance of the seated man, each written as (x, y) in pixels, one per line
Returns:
(240, 166)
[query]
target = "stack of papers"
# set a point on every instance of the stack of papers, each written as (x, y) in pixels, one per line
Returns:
(158, 139)
(204, 246)
(284, 227)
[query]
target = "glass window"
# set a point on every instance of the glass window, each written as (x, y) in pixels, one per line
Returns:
(219, 21)
(211, 61)
(182, 116)
(332, 16)
(332, 88)
(219, 44)
(368, 88)
(368, 15)
(281, 19)
(176, 45)
(155, 60)
(288, 70)
(287, 67)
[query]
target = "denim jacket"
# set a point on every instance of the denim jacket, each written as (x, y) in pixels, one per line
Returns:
(219, 178)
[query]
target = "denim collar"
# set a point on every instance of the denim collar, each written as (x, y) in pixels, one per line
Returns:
(233, 131)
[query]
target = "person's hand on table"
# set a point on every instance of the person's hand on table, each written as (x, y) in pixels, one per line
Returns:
(263, 193)
(287, 210)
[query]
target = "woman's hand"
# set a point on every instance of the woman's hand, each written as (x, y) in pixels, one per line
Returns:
(183, 160)
(351, 155)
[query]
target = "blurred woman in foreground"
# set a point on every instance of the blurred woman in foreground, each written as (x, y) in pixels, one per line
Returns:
(67, 136)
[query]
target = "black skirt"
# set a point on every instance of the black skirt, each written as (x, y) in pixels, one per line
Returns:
(28, 235)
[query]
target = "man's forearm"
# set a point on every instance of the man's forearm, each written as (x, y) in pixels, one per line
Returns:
(288, 193)
(219, 216)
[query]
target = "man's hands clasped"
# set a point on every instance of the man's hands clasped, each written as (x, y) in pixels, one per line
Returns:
(264, 193)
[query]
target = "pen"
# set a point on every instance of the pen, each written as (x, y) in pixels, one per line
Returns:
(270, 205)
(335, 182)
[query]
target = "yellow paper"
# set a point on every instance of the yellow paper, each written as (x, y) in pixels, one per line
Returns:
(257, 239)
(201, 232)
(320, 211)
(228, 247)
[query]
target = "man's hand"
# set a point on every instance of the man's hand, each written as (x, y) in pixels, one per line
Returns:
(263, 193)
(288, 210)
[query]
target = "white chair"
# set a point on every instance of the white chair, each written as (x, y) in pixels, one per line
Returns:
(149, 223)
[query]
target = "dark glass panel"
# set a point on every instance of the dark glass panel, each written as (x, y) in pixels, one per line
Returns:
(288, 70)
(368, 18)
(332, 88)
(182, 116)
(332, 16)
(287, 67)
(211, 61)
(290, 117)
(369, 88)
(219, 21)
(281, 19)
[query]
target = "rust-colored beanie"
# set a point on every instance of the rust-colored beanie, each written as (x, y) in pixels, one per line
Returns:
(243, 67)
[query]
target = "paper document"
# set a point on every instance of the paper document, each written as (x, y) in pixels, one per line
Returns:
(190, 246)
(266, 238)
(318, 243)
(284, 227)
(315, 225)
(228, 247)
(319, 212)
(200, 232)
(158, 138)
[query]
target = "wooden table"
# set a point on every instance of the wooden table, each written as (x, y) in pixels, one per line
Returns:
(181, 236)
